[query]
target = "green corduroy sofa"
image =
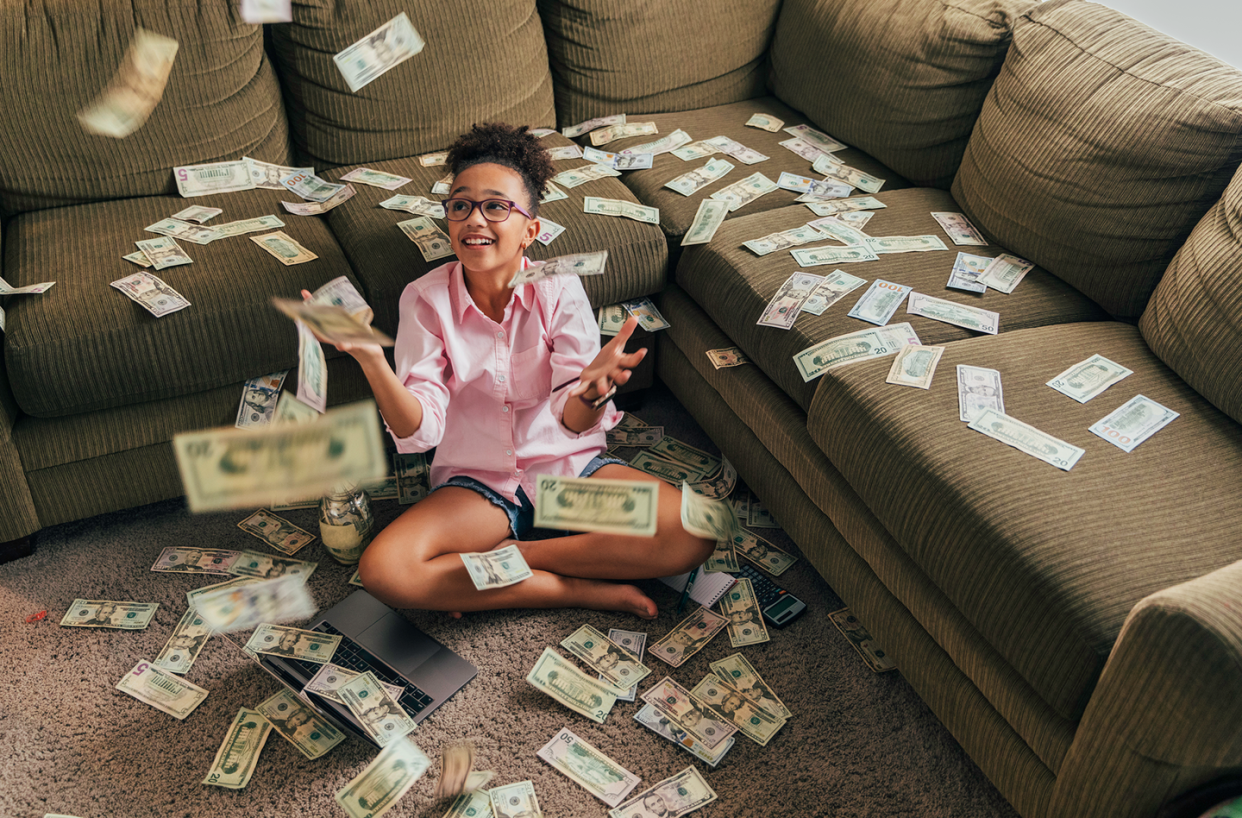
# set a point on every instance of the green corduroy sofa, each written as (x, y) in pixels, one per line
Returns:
(1079, 633)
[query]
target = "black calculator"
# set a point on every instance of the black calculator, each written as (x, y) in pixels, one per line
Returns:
(778, 605)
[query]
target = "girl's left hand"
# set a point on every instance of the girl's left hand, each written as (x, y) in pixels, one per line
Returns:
(612, 365)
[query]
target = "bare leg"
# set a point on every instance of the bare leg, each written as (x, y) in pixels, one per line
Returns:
(414, 563)
(672, 550)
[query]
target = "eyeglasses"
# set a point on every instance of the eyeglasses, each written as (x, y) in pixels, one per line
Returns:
(494, 210)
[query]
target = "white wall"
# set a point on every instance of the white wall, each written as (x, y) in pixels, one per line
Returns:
(1214, 26)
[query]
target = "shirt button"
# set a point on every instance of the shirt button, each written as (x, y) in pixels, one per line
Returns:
(500, 334)
(508, 452)
(500, 379)
(505, 409)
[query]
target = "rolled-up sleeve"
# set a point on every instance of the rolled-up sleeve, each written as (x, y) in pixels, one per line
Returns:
(421, 367)
(575, 343)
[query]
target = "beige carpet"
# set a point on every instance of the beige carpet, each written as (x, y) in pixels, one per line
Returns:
(859, 744)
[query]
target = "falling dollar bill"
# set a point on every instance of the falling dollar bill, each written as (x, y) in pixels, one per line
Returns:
(496, 569)
(162, 690)
(104, 613)
(832, 288)
(959, 228)
(740, 606)
(689, 637)
(556, 677)
(663, 726)
(258, 12)
(239, 753)
(456, 762)
(341, 292)
(978, 388)
(379, 52)
(615, 664)
(705, 517)
(707, 220)
(1006, 272)
(294, 643)
(1027, 439)
(384, 781)
(595, 772)
(875, 656)
(1133, 422)
(335, 325)
(312, 370)
(689, 713)
(853, 347)
(239, 607)
(185, 560)
(300, 725)
(135, 89)
(258, 403)
(1087, 379)
(615, 506)
(752, 721)
(951, 312)
(579, 264)
(746, 680)
(914, 366)
(185, 643)
(192, 596)
(763, 553)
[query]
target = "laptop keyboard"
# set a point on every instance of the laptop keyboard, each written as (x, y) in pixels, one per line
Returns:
(355, 657)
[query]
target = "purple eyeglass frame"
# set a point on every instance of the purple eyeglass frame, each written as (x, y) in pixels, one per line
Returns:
(473, 204)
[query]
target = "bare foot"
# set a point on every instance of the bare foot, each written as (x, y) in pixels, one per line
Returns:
(629, 599)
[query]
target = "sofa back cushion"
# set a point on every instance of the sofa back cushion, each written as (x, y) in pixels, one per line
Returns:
(221, 101)
(1194, 319)
(1100, 146)
(655, 56)
(483, 62)
(902, 80)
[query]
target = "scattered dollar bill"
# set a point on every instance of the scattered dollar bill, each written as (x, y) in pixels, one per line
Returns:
(319, 208)
(636, 643)
(328, 679)
(814, 137)
(592, 124)
(665, 144)
(259, 397)
(300, 725)
(163, 252)
(432, 242)
(244, 226)
(310, 187)
(752, 721)
(706, 517)
(862, 640)
(1006, 272)
(806, 150)
(276, 531)
(556, 677)
(217, 177)
(746, 680)
(284, 247)
(103, 613)
(967, 273)
(356, 579)
(1133, 422)
(959, 229)
(831, 289)
(263, 566)
(722, 559)
(417, 205)
(335, 325)
(162, 690)
(514, 800)
(672, 473)
(628, 507)
(611, 133)
(430, 160)
(851, 176)
(258, 12)
(765, 123)
(685, 710)
(640, 438)
(794, 182)
(236, 759)
(839, 230)
(1087, 379)
(782, 310)
(565, 152)
(413, 476)
(707, 220)
(852, 347)
(727, 357)
(763, 553)
(135, 89)
(661, 725)
(783, 240)
(950, 312)
(548, 231)
(443, 186)
(294, 643)
(456, 762)
(879, 302)
(1027, 439)
(746, 626)
(602, 157)
(496, 569)
(616, 207)
(266, 176)
(177, 229)
(181, 560)
(552, 193)
(595, 772)
(670, 448)
(618, 666)
(758, 516)
(735, 149)
(471, 805)
(689, 637)
(914, 366)
(693, 181)
(633, 161)
(649, 318)
(818, 256)
(375, 178)
(579, 264)
(386, 779)
(139, 258)
(851, 205)
(185, 643)
(854, 218)
(231, 607)
(694, 150)
(978, 388)
(739, 194)
(903, 244)
(312, 370)
(586, 173)
(818, 190)
(379, 52)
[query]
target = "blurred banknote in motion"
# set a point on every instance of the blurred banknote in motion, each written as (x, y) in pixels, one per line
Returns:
(613, 506)
(334, 324)
(379, 52)
(241, 607)
(136, 88)
(385, 780)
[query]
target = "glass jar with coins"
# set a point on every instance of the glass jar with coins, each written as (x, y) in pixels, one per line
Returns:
(346, 524)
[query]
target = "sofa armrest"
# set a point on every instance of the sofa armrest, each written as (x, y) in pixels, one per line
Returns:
(1166, 715)
(18, 517)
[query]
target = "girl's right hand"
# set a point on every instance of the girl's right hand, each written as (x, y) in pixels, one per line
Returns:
(358, 351)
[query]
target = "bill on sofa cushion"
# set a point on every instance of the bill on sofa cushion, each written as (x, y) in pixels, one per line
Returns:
(1101, 145)
(1194, 319)
(653, 57)
(83, 345)
(222, 100)
(1046, 564)
(903, 80)
(480, 64)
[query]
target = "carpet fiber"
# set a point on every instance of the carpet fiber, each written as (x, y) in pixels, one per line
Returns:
(859, 744)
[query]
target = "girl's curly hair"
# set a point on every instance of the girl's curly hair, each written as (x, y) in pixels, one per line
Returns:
(513, 147)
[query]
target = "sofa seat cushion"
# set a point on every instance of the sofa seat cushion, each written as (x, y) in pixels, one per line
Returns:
(1046, 564)
(386, 260)
(84, 346)
(677, 211)
(733, 285)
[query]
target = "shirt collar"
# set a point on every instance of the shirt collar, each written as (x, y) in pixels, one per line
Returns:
(523, 293)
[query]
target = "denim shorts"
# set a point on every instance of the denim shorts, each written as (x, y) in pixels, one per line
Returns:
(522, 513)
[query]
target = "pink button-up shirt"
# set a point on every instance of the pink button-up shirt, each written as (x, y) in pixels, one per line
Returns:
(487, 389)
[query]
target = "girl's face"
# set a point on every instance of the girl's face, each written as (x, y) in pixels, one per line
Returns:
(484, 245)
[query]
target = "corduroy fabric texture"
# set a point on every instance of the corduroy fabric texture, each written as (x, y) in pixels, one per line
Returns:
(677, 211)
(733, 286)
(222, 99)
(1101, 145)
(19, 518)
(655, 56)
(780, 425)
(483, 63)
(386, 260)
(1193, 321)
(993, 745)
(903, 80)
(1049, 586)
(1166, 718)
(85, 346)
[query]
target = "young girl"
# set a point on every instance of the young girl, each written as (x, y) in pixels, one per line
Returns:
(504, 383)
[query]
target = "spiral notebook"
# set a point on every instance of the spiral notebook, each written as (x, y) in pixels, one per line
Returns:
(708, 588)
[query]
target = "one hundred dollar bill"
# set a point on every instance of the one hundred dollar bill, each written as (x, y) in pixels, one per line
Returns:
(432, 242)
(177, 229)
(259, 398)
(875, 656)
(595, 772)
(1027, 439)
(496, 569)
(579, 264)
(611, 133)
(693, 181)
(689, 637)
(879, 302)
(764, 122)
(1087, 379)
(239, 753)
(853, 347)
(328, 680)
(1006, 272)
(959, 229)
(831, 289)
(185, 643)
(312, 370)
(217, 177)
(636, 643)
(384, 781)
(556, 677)
(616, 207)
(814, 137)
(310, 187)
(951, 312)
(417, 205)
(186, 560)
(264, 566)
(384, 719)
(752, 721)
(852, 205)
(904, 244)
(818, 256)
(267, 176)
(746, 680)
(163, 253)
(705, 517)
(763, 553)
(685, 710)
(741, 193)
(276, 531)
(300, 725)
(851, 176)
(664, 144)
(1133, 422)
(379, 52)
(104, 613)
(244, 226)
(626, 507)
(135, 89)
(649, 318)
(662, 725)
(740, 606)
(336, 325)
(586, 173)
(727, 357)
(592, 124)
(915, 366)
(375, 178)
(707, 220)
(615, 664)
(294, 643)
(978, 388)
(162, 690)
(967, 273)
